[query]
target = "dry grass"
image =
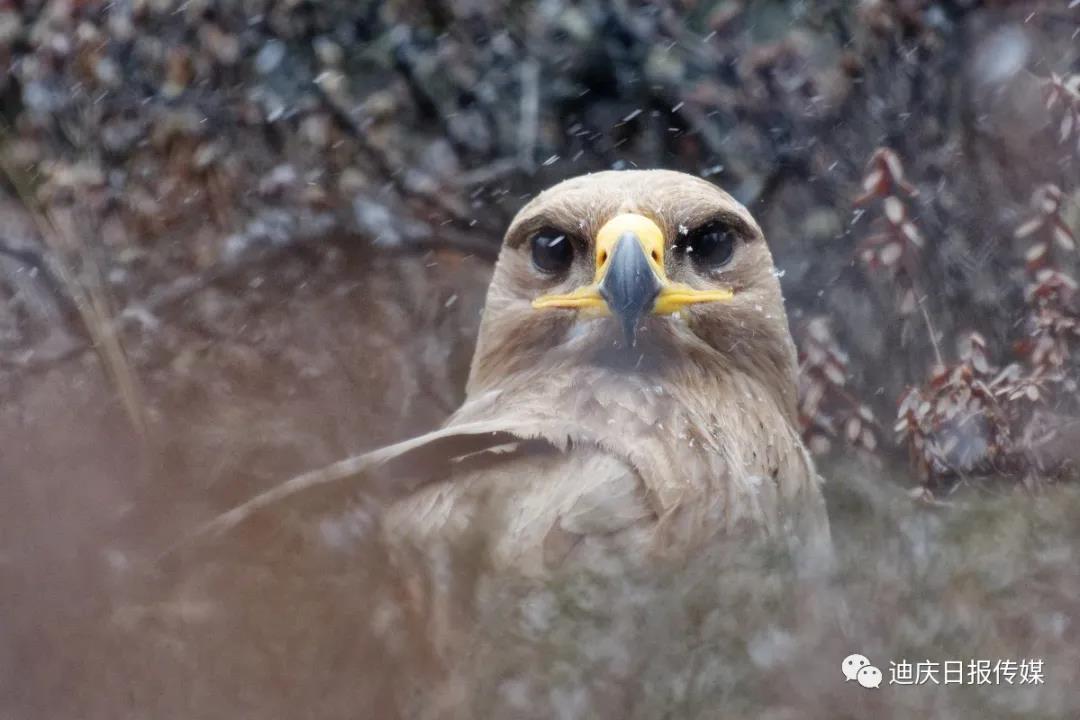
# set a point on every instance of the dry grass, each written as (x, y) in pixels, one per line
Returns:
(72, 259)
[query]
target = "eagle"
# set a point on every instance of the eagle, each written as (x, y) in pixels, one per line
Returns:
(631, 403)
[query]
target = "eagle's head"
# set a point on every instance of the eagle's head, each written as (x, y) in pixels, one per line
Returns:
(646, 271)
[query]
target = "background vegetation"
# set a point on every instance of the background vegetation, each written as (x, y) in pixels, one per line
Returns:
(241, 239)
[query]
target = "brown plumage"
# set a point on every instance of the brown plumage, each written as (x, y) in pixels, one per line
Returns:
(580, 429)
(632, 398)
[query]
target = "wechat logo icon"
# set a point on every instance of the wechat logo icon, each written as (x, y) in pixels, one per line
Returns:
(858, 668)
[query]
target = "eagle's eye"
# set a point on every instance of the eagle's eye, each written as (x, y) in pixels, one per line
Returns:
(552, 251)
(710, 246)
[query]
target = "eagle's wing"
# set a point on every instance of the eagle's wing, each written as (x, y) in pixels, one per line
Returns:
(526, 485)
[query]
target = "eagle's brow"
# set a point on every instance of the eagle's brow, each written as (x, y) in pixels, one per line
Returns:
(726, 217)
(578, 218)
(544, 218)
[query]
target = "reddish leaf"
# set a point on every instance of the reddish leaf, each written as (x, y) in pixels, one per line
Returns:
(853, 428)
(891, 254)
(1063, 237)
(894, 210)
(1028, 227)
(868, 440)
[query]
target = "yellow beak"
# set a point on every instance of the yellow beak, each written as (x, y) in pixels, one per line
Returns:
(630, 279)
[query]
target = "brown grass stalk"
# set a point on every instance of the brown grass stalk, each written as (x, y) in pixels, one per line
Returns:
(87, 291)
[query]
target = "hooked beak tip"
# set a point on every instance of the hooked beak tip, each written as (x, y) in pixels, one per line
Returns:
(630, 287)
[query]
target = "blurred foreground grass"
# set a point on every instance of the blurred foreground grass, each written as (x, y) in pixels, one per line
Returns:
(734, 633)
(987, 577)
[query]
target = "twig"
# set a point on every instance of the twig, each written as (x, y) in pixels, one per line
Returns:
(383, 165)
(453, 239)
(38, 261)
(24, 255)
(90, 299)
(530, 109)
(31, 363)
(495, 170)
(184, 287)
(430, 104)
(929, 327)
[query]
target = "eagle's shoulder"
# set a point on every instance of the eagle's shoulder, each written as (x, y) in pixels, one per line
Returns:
(527, 506)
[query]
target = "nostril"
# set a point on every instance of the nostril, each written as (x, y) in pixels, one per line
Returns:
(603, 256)
(656, 256)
